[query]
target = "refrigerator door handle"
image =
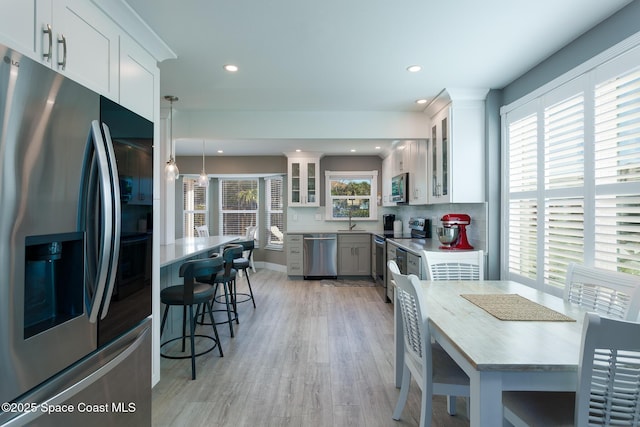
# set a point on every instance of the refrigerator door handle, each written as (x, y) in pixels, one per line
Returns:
(98, 178)
(116, 210)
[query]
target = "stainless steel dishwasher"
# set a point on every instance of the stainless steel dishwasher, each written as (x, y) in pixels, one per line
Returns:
(320, 255)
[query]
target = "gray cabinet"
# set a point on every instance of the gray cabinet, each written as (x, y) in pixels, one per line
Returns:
(294, 254)
(414, 265)
(354, 255)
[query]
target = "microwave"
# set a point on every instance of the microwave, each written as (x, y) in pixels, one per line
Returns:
(400, 188)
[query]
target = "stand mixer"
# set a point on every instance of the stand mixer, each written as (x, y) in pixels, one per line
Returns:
(453, 233)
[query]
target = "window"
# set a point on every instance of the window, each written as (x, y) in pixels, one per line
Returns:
(238, 205)
(572, 177)
(351, 195)
(195, 207)
(274, 212)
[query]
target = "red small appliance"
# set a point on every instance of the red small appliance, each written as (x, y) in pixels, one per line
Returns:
(453, 233)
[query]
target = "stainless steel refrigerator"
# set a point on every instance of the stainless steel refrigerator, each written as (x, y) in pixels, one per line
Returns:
(60, 229)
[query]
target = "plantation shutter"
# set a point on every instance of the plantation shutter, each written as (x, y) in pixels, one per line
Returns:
(195, 206)
(238, 205)
(617, 172)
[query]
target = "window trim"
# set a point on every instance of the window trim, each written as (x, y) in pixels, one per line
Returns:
(267, 212)
(373, 203)
(221, 212)
(194, 179)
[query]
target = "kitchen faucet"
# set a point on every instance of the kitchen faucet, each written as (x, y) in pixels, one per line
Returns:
(351, 227)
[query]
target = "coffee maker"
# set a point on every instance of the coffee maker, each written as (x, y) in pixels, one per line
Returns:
(387, 224)
(453, 233)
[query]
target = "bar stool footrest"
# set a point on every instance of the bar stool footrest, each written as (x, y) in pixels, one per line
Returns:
(188, 356)
(221, 322)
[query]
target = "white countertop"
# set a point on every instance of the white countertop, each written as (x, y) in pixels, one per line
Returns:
(416, 246)
(191, 246)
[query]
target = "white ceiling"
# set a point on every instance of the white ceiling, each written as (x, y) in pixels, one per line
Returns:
(337, 55)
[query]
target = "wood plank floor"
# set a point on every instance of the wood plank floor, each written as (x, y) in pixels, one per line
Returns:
(308, 355)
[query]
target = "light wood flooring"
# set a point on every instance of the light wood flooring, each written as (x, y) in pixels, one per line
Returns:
(308, 355)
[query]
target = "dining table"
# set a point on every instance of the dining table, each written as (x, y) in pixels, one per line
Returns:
(496, 354)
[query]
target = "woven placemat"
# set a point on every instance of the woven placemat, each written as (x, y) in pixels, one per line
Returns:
(515, 307)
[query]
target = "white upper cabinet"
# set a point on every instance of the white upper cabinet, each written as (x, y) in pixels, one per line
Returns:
(456, 149)
(407, 157)
(139, 78)
(72, 37)
(418, 194)
(17, 25)
(387, 173)
(304, 185)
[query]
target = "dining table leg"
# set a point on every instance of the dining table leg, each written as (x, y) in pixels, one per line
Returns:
(486, 398)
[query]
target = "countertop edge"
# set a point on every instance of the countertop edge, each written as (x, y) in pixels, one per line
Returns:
(183, 249)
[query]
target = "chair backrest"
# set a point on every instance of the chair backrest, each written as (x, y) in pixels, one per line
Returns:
(417, 343)
(198, 268)
(454, 265)
(247, 245)
(230, 253)
(251, 232)
(276, 232)
(608, 390)
(203, 231)
(609, 293)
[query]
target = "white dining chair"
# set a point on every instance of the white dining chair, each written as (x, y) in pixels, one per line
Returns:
(202, 231)
(279, 235)
(251, 234)
(454, 265)
(609, 293)
(433, 369)
(608, 391)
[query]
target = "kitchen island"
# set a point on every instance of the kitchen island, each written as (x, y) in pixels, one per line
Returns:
(172, 256)
(192, 248)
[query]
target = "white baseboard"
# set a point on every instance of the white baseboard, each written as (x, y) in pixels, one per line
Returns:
(271, 266)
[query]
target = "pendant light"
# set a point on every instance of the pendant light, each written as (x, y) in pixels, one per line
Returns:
(171, 171)
(203, 179)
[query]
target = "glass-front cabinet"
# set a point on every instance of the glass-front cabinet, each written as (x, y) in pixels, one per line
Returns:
(456, 152)
(439, 188)
(304, 188)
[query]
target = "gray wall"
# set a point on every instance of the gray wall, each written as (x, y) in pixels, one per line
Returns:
(233, 164)
(606, 34)
(609, 32)
(236, 165)
(348, 163)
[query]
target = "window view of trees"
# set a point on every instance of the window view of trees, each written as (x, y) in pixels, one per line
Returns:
(238, 205)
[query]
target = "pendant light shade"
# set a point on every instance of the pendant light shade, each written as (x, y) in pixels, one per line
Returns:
(171, 171)
(203, 179)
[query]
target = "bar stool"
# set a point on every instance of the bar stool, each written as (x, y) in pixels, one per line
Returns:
(244, 263)
(190, 293)
(227, 280)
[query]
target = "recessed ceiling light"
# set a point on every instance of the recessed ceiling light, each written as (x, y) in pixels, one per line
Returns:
(220, 151)
(353, 150)
(421, 101)
(377, 148)
(298, 150)
(231, 68)
(414, 68)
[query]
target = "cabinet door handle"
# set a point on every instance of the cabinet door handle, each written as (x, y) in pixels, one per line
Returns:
(62, 40)
(47, 30)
